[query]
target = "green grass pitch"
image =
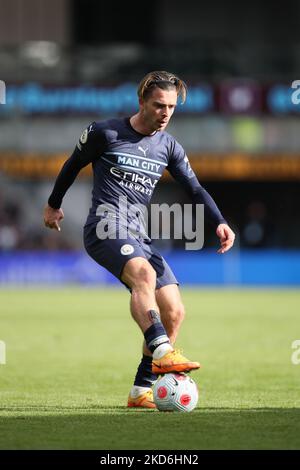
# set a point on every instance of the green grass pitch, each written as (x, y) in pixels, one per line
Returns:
(71, 356)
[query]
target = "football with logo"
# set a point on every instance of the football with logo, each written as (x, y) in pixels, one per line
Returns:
(175, 392)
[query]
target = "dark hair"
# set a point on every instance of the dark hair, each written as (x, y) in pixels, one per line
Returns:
(163, 80)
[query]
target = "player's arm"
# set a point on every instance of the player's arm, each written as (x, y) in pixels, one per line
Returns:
(180, 169)
(84, 153)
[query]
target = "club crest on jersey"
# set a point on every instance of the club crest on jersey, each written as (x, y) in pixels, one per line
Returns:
(127, 249)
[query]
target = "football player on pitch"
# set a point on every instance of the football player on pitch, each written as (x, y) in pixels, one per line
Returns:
(128, 157)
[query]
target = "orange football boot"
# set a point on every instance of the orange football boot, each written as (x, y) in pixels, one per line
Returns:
(142, 401)
(173, 361)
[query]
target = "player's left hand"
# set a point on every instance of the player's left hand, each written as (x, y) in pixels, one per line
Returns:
(226, 236)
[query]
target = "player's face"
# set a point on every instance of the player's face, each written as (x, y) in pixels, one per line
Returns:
(158, 108)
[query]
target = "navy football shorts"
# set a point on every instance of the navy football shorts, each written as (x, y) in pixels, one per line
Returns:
(113, 255)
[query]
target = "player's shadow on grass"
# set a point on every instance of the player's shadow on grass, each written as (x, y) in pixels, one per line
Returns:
(121, 428)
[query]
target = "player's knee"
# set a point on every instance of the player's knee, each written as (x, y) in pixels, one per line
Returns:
(138, 273)
(178, 314)
(175, 316)
(142, 275)
(145, 276)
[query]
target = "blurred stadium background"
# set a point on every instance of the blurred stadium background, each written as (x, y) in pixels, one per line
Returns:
(66, 63)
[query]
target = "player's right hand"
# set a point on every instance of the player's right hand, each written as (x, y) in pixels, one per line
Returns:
(52, 217)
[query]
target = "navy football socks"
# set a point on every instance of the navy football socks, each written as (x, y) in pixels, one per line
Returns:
(156, 334)
(144, 376)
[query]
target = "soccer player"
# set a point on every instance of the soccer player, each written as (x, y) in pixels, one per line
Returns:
(128, 156)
